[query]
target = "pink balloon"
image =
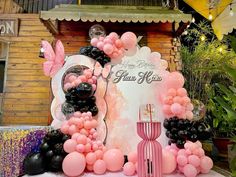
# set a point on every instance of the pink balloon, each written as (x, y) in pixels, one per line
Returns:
(100, 45)
(189, 115)
(108, 41)
(171, 92)
(155, 57)
(88, 147)
(174, 152)
(177, 99)
(118, 43)
(67, 86)
(99, 167)
(91, 158)
(114, 159)
(84, 132)
(82, 139)
(133, 157)
(70, 145)
(206, 163)
(182, 160)
(65, 128)
(94, 123)
(129, 40)
(168, 100)
(72, 129)
(77, 114)
(189, 107)
(99, 154)
(73, 164)
(80, 148)
(129, 169)
(75, 136)
(182, 152)
(108, 49)
(94, 42)
(194, 160)
(176, 108)
(190, 171)
(113, 36)
(204, 171)
(186, 100)
(175, 80)
(166, 109)
(88, 125)
(182, 92)
(168, 162)
(72, 78)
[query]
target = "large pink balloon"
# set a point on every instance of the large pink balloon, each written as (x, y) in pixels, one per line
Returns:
(114, 159)
(168, 162)
(70, 145)
(129, 40)
(129, 169)
(175, 80)
(206, 163)
(74, 164)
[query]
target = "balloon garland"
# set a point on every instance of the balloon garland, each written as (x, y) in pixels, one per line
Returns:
(75, 148)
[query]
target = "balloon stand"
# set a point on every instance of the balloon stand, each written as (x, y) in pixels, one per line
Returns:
(149, 150)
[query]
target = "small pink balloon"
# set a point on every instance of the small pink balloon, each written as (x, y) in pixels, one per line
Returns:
(133, 157)
(72, 78)
(177, 99)
(129, 169)
(190, 171)
(118, 43)
(168, 162)
(194, 160)
(182, 92)
(176, 108)
(182, 160)
(168, 100)
(108, 41)
(171, 92)
(69, 145)
(67, 86)
(89, 167)
(206, 163)
(181, 168)
(88, 74)
(65, 128)
(75, 136)
(166, 109)
(201, 152)
(189, 115)
(108, 49)
(182, 152)
(101, 38)
(99, 154)
(80, 148)
(94, 87)
(88, 147)
(113, 36)
(73, 164)
(88, 124)
(82, 78)
(82, 139)
(94, 42)
(129, 40)
(114, 159)
(186, 100)
(198, 143)
(72, 129)
(95, 147)
(90, 81)
(100, 45)
(99, 167)
(77, 82)
(77, 114)
(204, 171)
(91, 158)
(95, 135)
(94, 123)
(84, 132)
(189, 107)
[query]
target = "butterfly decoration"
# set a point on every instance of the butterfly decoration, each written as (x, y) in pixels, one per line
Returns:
(55, 59)
(100, 71)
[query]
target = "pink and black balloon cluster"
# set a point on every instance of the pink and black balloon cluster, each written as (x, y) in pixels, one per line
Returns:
(79, 93)
(181, 130)
(50, 155)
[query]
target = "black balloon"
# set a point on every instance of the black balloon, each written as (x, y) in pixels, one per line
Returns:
(58, 148)
(94, 110)
(180, 143)
(65, 137)
(44, 147)
(56, 163)
(49, 154)
(34, 164)
(84, 90)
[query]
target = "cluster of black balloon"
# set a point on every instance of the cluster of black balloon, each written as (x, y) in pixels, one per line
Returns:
(80, 98)
(50, 155)
(96, 54)
(181, 130)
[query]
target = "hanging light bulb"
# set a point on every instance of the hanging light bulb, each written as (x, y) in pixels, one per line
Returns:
(193, 20)
(203, 38)
(220, 49)
(231, 12)
(210, 17)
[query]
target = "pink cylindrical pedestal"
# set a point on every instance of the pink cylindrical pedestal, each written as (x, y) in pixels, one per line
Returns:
(149, 150)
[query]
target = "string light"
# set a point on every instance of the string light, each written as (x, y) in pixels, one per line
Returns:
(210, 17)
(193, 20)
(231, 12)
(220, 49)
(203, 38)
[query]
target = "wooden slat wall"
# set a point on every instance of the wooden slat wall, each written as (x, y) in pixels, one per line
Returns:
(27, 92)
(9, 6)
(159, 36)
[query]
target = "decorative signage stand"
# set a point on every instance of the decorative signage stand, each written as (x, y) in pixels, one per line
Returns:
(149, 150)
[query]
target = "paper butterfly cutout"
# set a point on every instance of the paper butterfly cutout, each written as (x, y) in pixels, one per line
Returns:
(55, 60)
(99, 70)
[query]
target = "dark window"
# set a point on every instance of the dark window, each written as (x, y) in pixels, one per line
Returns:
(2, 73)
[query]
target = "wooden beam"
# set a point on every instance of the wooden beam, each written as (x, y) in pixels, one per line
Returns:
(179, 28)
(52, 26)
